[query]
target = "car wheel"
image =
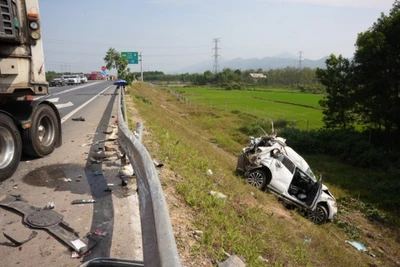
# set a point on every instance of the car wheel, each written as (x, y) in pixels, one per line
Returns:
(40, 139)
(319, 215)
(257, 178)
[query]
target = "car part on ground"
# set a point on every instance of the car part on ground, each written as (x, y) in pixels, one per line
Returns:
(50, 220)
(268, 163)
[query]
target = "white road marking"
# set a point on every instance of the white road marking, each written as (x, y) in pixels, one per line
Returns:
(65, 105)
(69, 115)
(53, 100)
(66, 91)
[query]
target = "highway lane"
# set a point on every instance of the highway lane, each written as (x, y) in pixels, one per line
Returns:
(69, 174)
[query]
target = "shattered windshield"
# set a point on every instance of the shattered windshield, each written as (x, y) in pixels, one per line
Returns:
(311, 174)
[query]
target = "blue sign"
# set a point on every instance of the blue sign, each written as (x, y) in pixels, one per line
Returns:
(103, 72)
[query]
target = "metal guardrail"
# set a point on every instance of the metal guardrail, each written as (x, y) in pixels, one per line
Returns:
(159, 247)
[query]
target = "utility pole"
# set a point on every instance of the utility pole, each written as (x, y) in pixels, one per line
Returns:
(300, 58)
(141, 66)
(216, 55)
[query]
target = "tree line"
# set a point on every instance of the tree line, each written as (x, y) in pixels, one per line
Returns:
(365, 90)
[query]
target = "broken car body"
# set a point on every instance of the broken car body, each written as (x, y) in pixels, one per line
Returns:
(268, 163)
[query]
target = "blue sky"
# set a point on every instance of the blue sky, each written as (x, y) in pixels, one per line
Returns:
(173, 34)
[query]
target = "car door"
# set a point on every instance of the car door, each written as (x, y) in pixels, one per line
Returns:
(282, 169)
(314, 194)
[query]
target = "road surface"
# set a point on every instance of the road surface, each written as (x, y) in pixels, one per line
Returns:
(69, 174)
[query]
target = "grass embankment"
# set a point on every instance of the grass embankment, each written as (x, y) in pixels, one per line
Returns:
(250, 223)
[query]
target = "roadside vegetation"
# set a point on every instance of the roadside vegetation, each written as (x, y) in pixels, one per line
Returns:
(190, 139)
(342, 119)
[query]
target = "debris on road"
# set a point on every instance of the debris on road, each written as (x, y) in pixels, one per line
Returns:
(78, 119)
(45, 219)
(65, 179)
(127, 170)
(360, 247)
(98, 172)
(19, 243)
(83, 201)
(99, 232)
(50, 205)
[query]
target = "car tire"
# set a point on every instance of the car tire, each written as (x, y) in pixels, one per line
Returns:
(10, 147)
(257, 178)
(319, 215)
(41, 138)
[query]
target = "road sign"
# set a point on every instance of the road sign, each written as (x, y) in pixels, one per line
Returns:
(103, 68)
(103, 72)
(131, 57)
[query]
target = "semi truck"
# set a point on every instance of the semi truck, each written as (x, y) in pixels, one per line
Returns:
(29, 124)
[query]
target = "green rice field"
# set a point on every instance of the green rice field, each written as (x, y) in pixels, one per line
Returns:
(301, 108)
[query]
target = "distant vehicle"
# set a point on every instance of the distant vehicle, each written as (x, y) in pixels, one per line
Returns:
(72, 79)
(57, 81)
(268, 163)
(83, 78)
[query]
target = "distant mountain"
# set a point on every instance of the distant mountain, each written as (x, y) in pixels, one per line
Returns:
(255, 63)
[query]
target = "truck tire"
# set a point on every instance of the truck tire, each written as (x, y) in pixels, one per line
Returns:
(40, 139)
(10, 147)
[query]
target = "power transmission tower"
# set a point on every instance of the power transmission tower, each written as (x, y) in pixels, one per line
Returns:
(216, 55)
(300, 58)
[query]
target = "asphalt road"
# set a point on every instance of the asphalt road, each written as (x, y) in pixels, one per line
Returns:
(69, 174)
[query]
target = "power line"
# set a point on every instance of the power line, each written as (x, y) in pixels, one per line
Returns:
(216, 55)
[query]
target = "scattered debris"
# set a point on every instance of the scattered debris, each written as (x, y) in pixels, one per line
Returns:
(198, 232)
(100, 232)
(358, 245)
(78, 119)
(93, 160)
(209, 172)
(98, 172)
(50, 205)
(158, 164)
(107, 132)
(65, 179)
(95, 143)
(127, 170)
(19, 243)
(307, 240)
(218, 195)
(15, 186)
(46, 219)
(107, 148)
(232, 261)
(83, 201)
(124, 182)
(261, 258)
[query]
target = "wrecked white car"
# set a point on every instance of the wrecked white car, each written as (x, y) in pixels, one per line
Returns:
(268, 163)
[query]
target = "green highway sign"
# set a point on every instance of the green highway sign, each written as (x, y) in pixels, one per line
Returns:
(131, 57)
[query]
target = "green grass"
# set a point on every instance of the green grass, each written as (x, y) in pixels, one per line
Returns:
(276, 104)
(189, 140)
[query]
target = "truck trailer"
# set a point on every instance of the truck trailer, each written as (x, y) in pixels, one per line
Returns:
(29, 123)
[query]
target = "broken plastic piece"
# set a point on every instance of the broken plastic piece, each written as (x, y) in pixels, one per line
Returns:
(158, 164)
(127, 170)
(78, 119)
(100, 232)
(358, 245)
(78, 244)
(49, 205)
(83, 201)
(19, 243)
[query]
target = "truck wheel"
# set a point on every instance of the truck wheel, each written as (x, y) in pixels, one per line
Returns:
(40, 139)
(10, 147)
